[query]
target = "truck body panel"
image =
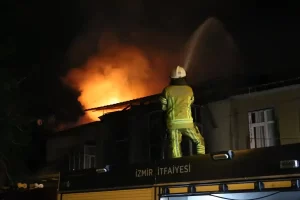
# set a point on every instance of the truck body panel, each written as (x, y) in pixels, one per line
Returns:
(252, 172)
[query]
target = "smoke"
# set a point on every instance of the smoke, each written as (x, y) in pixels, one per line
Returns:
(112, 67)
(117, 72)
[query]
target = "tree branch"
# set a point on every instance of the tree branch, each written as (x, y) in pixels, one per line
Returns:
(5, 166)
(16, 143)
(21, 80)
(19, 128)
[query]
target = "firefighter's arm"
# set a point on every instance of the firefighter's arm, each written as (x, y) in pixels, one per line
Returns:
(163, 100)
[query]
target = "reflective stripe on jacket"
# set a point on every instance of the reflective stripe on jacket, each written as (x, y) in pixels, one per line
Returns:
(176, 100)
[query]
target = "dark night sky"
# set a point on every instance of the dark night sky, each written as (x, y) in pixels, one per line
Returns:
(267, 35)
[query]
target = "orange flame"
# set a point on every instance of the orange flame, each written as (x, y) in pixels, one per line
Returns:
(121, 73)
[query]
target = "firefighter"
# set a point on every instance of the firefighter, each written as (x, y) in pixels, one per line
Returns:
(176, 100)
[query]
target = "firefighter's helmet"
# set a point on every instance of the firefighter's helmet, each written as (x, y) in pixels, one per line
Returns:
(178, 72)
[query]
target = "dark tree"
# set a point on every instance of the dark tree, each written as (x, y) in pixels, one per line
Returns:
(15, 130)
(15, 126)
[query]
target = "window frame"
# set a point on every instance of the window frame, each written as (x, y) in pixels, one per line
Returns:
(264, 124)
(87, 157)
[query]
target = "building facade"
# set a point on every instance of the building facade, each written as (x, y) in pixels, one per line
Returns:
(264, 118)
(122, 137)
(254, 119)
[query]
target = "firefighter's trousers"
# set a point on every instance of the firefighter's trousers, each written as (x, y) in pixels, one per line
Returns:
(175, 136)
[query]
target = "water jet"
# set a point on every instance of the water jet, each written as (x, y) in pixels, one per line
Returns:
(211, 53)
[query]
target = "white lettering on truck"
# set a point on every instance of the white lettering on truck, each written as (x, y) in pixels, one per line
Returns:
(161, 171)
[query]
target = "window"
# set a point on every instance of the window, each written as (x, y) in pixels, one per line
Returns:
(75, 160)
(89, 159)
(262, 128)
(82, 157)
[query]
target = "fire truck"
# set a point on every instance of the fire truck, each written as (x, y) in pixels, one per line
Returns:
(270, 173)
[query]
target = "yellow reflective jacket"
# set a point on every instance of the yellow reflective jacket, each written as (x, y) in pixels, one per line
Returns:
(176, 100)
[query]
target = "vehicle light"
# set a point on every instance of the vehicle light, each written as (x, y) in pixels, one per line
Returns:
(220, 157)
(224, 155)
(103, 170)
(289, 164)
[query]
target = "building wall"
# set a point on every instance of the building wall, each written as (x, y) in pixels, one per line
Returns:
(231, 130)
(129, 136)
(61, 145)
(216, 125)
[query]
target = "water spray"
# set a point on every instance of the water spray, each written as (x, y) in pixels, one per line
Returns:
(210, 53)
(191, 46)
